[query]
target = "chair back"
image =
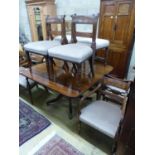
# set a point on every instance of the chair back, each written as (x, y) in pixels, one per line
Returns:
(56, 20)
(114, 94)
(79, 19)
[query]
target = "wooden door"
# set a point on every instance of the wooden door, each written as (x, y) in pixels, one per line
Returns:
(117, 25)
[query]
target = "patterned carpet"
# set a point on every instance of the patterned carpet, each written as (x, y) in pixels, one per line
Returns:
(57, 146)
(30, 122)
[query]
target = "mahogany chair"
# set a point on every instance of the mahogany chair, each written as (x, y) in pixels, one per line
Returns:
(77, 53)
(106, 115)
(41, 47)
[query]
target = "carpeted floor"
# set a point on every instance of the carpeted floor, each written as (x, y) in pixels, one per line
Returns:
(58, 113)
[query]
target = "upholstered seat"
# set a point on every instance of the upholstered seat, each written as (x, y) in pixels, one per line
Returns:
(41, 47)
(103, 116)
(76, 53)
(100, 43)
(23, 81)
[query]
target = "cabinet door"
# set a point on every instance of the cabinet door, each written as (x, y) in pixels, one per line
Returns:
(115, 22)
(107, 14)
(122, 23)
(117, 25)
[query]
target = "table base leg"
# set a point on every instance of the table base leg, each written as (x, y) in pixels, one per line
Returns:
(54, 99)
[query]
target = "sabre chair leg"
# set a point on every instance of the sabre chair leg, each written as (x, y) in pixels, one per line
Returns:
(29, 90)
(47, 66)
(91, 63)
(79, 127)
(51, 69)
(29, 60)
(106, 55)
(79, 67)
(70, 109)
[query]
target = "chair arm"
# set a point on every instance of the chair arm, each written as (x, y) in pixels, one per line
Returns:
(88, 95)
(120, 83)
(119, 79)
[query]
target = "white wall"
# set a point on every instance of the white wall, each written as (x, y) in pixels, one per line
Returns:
(83, 7)
(80, 7)
(24, 26)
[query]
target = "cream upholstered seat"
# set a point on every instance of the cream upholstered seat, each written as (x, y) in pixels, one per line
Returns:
(100, 43)
(76, 53)
(41, 47)
(103, 116)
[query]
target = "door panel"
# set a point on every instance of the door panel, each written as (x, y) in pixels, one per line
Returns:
(117, 25)
(107, 20)
(122, 22)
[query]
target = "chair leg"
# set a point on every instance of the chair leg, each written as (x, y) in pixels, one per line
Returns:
(79, 66)
(66, 67)
(74, 69)
(79, 127)
(29, 90)
(47, 65)
(106, 55)
(114, 147)
(51, 69)
(29, 60)
(91, 66)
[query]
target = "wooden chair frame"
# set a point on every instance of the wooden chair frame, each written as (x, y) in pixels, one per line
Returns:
(118, 98)
(74, 33)
(50, 21)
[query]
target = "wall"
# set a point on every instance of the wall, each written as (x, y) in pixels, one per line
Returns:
(83, 7)
(24, 26)
(131, 71)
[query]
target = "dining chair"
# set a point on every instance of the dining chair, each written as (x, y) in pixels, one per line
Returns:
(75, 52)
(101, 44)
(106, 114)
(41, 47)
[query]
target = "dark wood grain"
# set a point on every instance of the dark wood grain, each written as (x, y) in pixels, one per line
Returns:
(65, 83)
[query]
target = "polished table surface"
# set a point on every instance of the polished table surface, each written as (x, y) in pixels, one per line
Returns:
(65, 83)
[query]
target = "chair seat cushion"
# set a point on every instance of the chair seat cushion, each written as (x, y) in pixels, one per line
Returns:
(100, 43)
(71, 52)
(23, 81)
(41, 47)
(103, 116)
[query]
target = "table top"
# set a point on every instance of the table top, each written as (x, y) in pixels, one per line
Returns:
(65, 83)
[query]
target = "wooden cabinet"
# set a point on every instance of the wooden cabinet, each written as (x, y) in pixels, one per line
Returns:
(117, 25)
(37, 11)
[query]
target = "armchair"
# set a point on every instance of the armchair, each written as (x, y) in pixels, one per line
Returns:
(105, 115)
